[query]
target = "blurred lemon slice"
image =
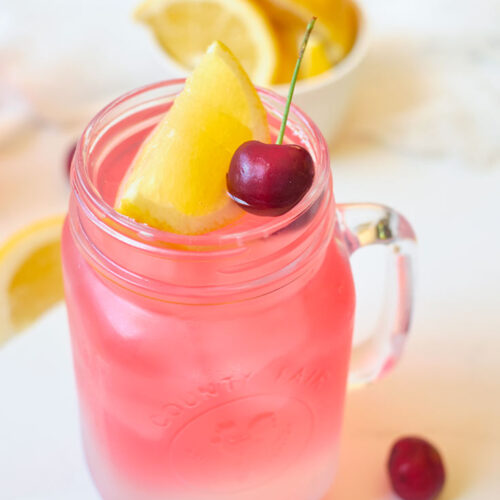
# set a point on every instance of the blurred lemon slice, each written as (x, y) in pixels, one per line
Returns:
(336, 19)
(30, 275)
(333, 38)
(316, 59)
(178, 179)
(185, 29)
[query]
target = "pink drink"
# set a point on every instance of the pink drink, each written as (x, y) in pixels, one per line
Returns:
(208, 367)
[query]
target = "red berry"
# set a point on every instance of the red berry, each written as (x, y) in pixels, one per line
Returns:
(269, 179)
(69, 158)
(416, 469)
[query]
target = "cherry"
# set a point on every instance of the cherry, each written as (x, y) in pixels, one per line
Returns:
(270, 179)
(416, 469)
(69, 158)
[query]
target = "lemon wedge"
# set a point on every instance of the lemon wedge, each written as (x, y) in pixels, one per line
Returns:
(185, 29)
(178, 179)
(336, 21)
(316, 59)
(334, 36)
(30, 275)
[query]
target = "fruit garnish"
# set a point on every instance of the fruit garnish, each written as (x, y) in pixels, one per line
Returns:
(270, 179)
(30, 275)
(185, 28)
(416, 469)
(267, 179)
(178, 179)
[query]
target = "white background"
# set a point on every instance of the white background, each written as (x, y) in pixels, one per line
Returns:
(423, 136)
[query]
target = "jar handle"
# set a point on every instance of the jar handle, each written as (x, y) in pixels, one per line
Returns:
(366, 224)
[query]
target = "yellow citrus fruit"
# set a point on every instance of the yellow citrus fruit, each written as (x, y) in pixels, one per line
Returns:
(316, 59)
(178, 179)
(336, 18)
(332, 39)
(30, 275)
(185, 29)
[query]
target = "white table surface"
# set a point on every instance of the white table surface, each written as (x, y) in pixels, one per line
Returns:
(423, 136)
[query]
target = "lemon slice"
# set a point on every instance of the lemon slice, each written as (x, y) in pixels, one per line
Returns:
(185, 29)
(336, 17)
(335, 29)
(321, 53)
(316, 59)
(30, 275)
(178, 179)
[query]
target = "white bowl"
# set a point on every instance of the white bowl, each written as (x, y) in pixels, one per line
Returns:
(326, 97)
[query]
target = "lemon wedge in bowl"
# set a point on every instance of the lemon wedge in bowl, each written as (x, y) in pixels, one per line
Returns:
(185, 29)
(316, 59)
(30, 275)
(336, 20)
(335, 32)
(177, 181)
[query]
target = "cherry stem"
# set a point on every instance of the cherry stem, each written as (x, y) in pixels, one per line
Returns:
(309, 29)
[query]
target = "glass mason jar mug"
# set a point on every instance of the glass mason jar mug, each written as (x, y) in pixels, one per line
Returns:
(215, 366)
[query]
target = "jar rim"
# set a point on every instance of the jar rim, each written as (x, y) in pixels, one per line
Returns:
(141, 235)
